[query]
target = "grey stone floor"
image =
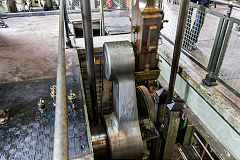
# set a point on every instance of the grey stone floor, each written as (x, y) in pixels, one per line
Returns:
(29, 134)
(28, 61)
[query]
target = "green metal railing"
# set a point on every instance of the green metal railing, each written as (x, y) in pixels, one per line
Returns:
(218, 49)
(223, 52)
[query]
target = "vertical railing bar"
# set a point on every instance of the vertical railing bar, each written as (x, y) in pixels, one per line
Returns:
(210, 78)
(224, 47)
(60, 149)
(220, 25)
(102, 30)
(67, 30)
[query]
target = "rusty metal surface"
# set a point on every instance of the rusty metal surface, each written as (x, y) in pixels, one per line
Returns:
(103, 87)
(148, 130)
(147, 100)
(28, 134)
(148, 21)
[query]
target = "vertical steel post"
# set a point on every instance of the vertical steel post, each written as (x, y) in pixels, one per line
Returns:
(174, 115)
(68, 41)
(60, 149)
(210, 78)
(88, 38)
(188, 134)
(174, 119)
(183, 12)
(102, 18)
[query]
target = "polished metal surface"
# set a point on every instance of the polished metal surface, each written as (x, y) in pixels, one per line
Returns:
(122, 125)
(229, 3)
(88, 38)
(60, 150)
(99, 141)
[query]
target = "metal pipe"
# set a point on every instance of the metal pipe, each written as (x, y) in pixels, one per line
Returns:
(203, 153)
(60, 149)
(68, 41)
(182, 153)
(196, 152)
(102, 18)
(229, 3)
(88, 38)
(203, 146)
(183, 12)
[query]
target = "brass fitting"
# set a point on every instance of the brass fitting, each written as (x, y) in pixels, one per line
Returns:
(72, 99)
(41, 106)
(53, 94)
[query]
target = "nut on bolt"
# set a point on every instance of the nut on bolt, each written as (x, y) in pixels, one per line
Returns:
(134, 29)
(53, 94)
(4, 115)
(41, 106)
(72, 99)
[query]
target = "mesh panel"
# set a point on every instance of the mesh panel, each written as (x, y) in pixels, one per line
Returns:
(200, 31)
(199, 35)
(170, 14)
(236, 14)
(230, 69)
(112, 8)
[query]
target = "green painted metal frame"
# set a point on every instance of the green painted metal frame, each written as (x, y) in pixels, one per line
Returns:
(222, 54)
(188, 134)
(215, 45)
(171, 134)
(225, 43)
(219, 47)
(212, 12)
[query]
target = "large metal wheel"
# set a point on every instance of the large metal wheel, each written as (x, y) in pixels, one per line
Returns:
(145, 103)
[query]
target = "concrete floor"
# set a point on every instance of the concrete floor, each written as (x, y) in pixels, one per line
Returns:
(28, 48)
(28, 61)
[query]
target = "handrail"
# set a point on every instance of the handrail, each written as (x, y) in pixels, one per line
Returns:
(229, 3)
(60, 149)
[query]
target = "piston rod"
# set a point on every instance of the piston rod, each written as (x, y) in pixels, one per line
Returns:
(183, 12)
(88, 38)
(60, 150)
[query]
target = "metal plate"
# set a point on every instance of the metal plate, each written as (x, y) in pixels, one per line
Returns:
(28, 134)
